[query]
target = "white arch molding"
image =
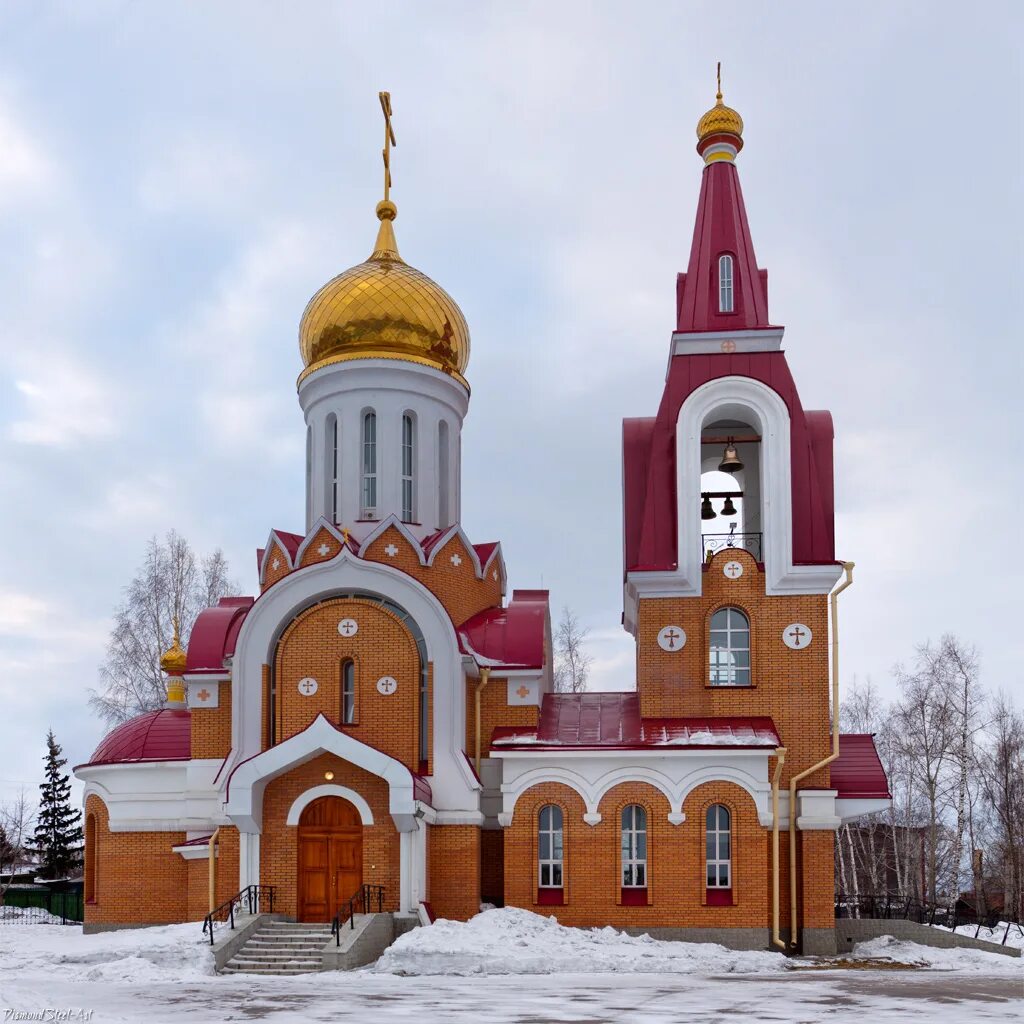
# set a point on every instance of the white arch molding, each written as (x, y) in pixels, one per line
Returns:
(303, 800)
(453, 783)
(594, 777)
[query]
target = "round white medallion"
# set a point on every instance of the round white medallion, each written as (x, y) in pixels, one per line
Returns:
(672, 638)
(796, 636)
(308, 686)
(387, 685)
(348, 627)
(732, 570)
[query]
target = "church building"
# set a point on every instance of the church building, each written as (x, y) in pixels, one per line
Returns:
(381, 712)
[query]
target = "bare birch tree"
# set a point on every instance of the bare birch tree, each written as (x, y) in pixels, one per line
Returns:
(17, 820)
(572, 660)
(171, 585)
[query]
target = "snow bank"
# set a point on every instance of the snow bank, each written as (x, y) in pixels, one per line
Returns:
(1015, 937)
(33, 915)
(513, 941)
(888, 948)
(167, 953)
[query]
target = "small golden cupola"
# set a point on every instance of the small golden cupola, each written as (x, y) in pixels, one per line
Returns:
(720, 130)
(383, 308)
(172, 663)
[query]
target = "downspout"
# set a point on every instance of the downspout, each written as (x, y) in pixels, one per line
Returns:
(780, 760)
(793, 930)
(485, 678)
(213, 869)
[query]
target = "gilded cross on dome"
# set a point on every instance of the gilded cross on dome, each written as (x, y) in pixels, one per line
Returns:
(389, 141)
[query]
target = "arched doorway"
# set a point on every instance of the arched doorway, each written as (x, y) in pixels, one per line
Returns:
(330, 868)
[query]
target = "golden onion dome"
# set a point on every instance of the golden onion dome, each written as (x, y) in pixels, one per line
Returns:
(384, 309)
(174, 659)
(719, 120)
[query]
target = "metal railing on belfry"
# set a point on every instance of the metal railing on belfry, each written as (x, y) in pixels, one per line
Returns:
(364, 899)
(252, 899)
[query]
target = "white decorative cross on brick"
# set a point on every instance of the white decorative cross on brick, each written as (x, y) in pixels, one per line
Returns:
(348, 627)
(323, 550)
(456, 559)
(391, 551)
(308, 686)
(672, 638)
(796, 636)
(733, 570)
(276, 563)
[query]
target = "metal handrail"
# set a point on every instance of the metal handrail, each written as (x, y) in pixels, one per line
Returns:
(365, 895)
(250, 896)
(712, 543)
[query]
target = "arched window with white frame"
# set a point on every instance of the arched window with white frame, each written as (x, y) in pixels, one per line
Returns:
(369, 509)
(718, 853)
(729, 648)
(634, 850)
(725, 284)
(550, 854)
(408, 468)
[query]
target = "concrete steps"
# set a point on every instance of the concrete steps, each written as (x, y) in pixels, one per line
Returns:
(282, 948)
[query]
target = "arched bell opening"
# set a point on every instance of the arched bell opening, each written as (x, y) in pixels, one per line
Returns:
(330, 858)
(730, 483)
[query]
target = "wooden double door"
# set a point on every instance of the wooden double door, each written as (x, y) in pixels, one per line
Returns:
(330, 868)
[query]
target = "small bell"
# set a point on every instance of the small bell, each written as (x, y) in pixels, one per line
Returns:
(730, 459)
(706, 511)
(728, 509)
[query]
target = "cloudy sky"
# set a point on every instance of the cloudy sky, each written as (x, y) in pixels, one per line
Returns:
(176, 181)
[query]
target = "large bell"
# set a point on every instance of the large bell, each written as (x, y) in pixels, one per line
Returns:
(730, 460)
(728, 509)
(706, 511)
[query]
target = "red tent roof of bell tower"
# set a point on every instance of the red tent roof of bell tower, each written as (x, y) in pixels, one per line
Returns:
(721, 228)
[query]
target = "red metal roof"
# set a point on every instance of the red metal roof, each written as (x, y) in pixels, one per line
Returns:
(215, 633)
(513, 636)
(721, 228)
(858, 773)
(649, 445)
(484, 551)
(163, 735)
(612, 720)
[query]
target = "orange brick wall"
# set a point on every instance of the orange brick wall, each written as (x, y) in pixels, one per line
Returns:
(676, 861)
(211, 727)
(226, 875)
(792, 687)
(817, 879)
(139, 880)
(312, 646)
(279, 841)
(494, 711)
(454, 871)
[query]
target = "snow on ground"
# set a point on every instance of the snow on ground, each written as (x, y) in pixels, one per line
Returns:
(1015, 936)
(165, 976)
(898, 951)
(512, 941)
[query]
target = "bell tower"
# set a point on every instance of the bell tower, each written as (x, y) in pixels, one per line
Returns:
(731, 460)
(383, 389)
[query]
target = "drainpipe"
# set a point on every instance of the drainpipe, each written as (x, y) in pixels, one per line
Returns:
(793, 930)
(780, 760)
(485, 678)
(213, 869)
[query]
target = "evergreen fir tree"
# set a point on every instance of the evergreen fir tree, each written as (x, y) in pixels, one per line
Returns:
(58, 838)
